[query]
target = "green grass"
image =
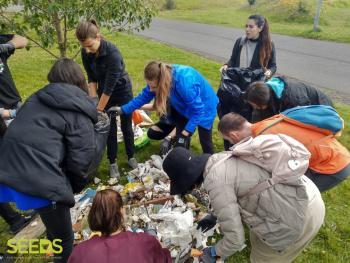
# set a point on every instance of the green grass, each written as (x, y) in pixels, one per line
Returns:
(30, 69)
(286, 16)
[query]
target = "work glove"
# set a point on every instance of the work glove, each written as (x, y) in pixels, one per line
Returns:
(165, 146)
(102, 122)
(6, 48)
(183, 141)
(207, 222)
(208, 256)
(115, 110)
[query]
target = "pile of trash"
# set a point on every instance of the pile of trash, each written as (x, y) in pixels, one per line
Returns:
(150, 208)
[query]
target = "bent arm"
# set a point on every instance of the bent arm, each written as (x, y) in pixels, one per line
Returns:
(19, 41)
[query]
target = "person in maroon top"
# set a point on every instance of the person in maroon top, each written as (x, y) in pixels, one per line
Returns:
(116, 244)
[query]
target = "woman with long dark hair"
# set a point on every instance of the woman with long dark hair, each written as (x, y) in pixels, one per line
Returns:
(184, 93)
(109, 81)
(47, 150)
(255, 50)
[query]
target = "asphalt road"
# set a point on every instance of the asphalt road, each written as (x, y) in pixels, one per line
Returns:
(321, 63)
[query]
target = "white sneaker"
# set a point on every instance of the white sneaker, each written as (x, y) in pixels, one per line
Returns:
(133, 163)
(113, 170)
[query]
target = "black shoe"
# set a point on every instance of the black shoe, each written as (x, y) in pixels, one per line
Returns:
(22, 223)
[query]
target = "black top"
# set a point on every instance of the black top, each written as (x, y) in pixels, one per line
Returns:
(255, 64)
(9, 96)
(107, 69)
(49, 146)
(297, 93)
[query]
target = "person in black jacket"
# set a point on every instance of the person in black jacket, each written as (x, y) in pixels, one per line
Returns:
(109, 81)
(9, 96)
(282, 93)
(47, 150)
(15, 220)
(255, 50)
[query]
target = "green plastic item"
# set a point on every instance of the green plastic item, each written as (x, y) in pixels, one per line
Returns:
(142, 141)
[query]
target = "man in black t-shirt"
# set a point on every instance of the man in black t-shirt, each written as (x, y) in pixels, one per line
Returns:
(9, 95)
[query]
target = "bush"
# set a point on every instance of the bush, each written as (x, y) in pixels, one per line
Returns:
(169, 4)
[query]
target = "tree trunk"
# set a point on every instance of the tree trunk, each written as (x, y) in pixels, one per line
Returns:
(60, 38)
(317, 16)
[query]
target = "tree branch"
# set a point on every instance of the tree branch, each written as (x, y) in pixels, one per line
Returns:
(31, 39)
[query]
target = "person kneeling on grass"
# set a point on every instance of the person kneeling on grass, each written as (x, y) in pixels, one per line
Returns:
(283, 217)
(115, 244)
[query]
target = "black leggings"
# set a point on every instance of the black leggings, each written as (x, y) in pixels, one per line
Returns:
(165, 128)
(9, 214)
(128, 136)
(325, 182)
(205, 136)
(57, 221)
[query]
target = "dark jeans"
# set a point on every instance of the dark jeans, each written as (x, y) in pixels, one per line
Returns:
(8, 214)
(325, 182)
(57, 221)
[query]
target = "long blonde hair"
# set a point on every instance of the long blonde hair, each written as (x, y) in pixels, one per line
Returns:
(162, 73)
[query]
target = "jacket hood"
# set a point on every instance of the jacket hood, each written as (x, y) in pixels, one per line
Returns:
(277, 85)
(64, 96)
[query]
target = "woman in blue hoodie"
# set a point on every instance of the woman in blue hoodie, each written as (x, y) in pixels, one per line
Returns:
(192, 100)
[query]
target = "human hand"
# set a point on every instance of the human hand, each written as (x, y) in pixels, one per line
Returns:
(224, 67)
(165, 146)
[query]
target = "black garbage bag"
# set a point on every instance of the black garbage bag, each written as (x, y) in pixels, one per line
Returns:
(231, 98)
(101, 129)
(243, 77)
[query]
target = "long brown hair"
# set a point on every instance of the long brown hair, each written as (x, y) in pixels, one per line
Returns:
(106, 212)
(87, 29)
(162, 73)
(265, 39)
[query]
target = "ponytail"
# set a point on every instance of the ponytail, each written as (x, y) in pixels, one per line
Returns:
(162, 73)
(87, 29)
(265, 39)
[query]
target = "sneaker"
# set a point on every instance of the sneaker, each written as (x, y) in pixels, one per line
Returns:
(113, 170)
(22, 223)
(133, 163)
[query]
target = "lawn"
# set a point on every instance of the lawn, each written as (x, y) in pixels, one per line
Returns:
(30, 69)
(289, 17)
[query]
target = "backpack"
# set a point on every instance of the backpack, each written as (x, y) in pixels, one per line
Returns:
(322, 118)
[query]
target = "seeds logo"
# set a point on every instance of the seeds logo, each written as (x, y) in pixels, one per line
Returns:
(34, 246)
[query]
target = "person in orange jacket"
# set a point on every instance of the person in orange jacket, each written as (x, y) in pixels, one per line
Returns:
(329, 162)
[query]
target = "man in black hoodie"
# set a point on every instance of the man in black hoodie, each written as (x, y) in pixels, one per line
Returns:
(48, 149)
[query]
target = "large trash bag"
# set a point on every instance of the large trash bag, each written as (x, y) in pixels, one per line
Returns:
(231, 98)
(243, 77)
(101, 130)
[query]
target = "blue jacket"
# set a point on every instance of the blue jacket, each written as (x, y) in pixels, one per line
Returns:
(191, 95)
